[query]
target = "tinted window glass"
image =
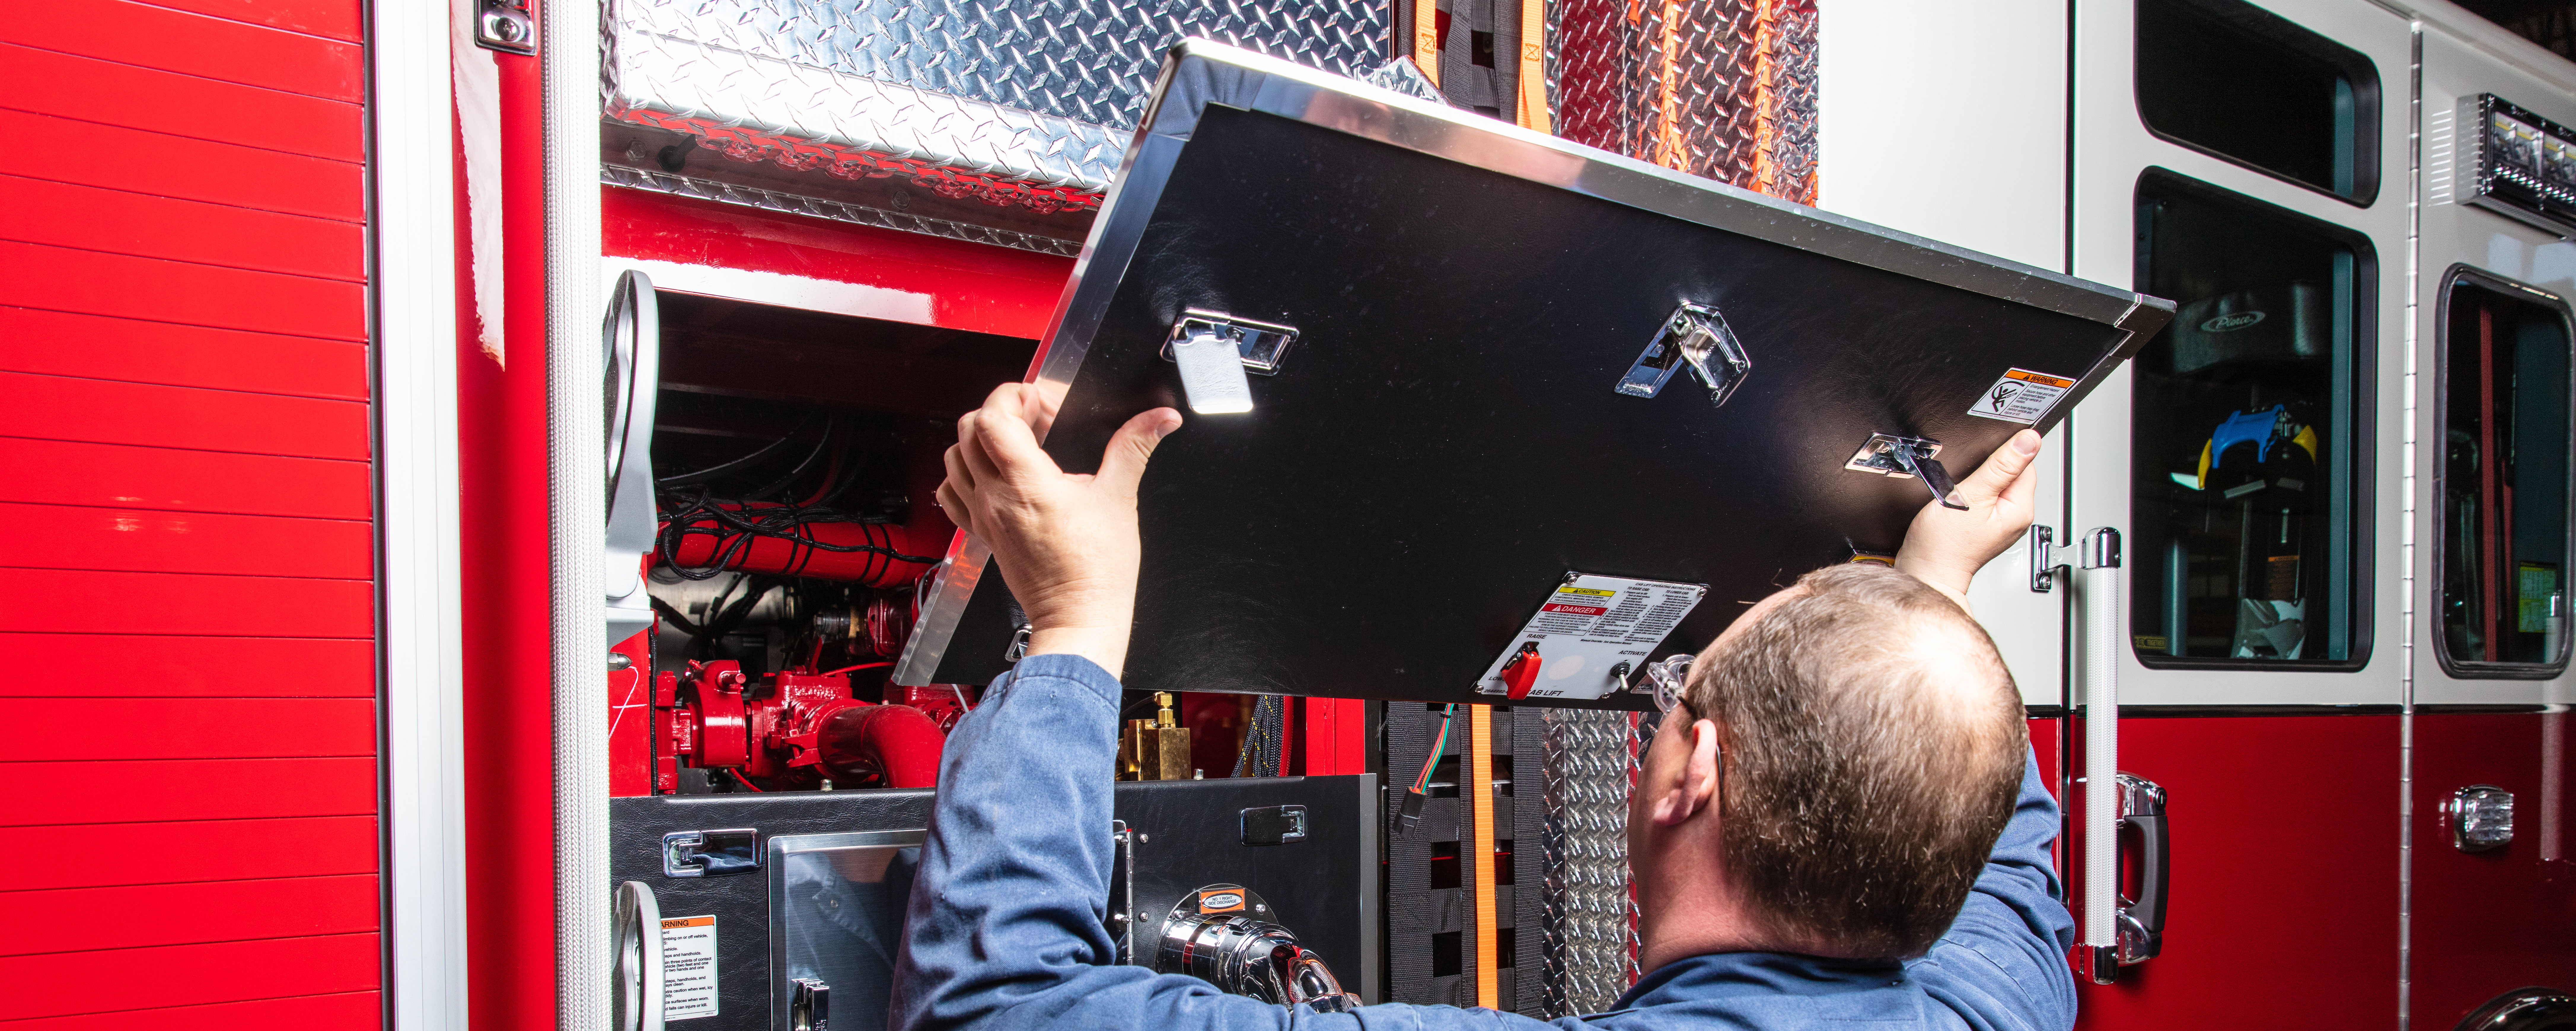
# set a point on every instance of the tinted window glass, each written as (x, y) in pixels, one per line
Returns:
(2504, 476)
(2245, 489)
(2246, 85)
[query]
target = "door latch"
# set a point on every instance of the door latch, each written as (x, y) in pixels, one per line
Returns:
(1887, 454)
(710, 853)
(1215, 350)
(1696, 336)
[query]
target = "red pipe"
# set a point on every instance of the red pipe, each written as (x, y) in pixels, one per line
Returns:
(925, 535)
(782, 557)
(896, 743)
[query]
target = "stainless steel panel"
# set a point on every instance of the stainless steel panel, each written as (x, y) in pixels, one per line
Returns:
(836, 906)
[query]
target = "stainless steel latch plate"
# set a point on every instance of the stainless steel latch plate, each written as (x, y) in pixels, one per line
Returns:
(1887, 454)
(1697, 336)
(1215, 350)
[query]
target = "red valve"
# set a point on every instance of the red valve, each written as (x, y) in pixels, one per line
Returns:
(1521, 672)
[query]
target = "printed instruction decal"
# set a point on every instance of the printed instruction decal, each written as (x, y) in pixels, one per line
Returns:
(1588, 627)
(2021, 396)
(688, 967)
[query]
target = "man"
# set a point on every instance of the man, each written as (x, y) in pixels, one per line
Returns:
(1837, 822)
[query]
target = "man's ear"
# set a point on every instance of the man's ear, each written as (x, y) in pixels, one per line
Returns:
(1697, 789)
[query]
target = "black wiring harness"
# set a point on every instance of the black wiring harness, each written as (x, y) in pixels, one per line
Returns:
(736, 522)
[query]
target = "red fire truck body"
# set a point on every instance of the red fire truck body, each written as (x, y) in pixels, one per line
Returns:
(302, 307)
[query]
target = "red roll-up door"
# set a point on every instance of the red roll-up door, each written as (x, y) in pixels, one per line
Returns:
(188, 721)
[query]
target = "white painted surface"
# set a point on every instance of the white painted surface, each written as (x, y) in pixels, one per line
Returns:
(2457, 65)
(1949, 121)
(2112, 148)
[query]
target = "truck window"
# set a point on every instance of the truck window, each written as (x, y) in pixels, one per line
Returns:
(2249, 492)
(2234, 81)
(2503, 477)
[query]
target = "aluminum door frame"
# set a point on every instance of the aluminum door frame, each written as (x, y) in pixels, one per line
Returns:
(2454, 234)
(2112, 148)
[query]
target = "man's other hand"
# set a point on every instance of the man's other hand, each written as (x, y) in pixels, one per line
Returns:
(1945, 547)
(1066, 542)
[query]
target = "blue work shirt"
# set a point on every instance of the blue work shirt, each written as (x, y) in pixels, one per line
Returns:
(1005, 923)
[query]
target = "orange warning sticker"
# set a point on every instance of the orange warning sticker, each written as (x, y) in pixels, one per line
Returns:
(1221, 902)
(2021, 396)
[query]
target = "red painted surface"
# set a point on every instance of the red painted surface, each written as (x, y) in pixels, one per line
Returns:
(64, 279)
(139, 540)
(132, 791)
(178, 41)
(336, 19)
(344, 1010)
(2486, 923)
(630, 719)
(170, 666)
(183, 414)
(1336, 736)
(2285, 842)
(101, 412)
(207, 912)
(179, 603)
(182, 105)
(62, 984)
(139, 853)
(969, 286)
(179, 166)
(74, 729)
(501, 505)
(80, 473)
(92, 347)
(118, 222)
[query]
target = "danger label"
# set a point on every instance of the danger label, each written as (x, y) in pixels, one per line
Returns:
(1586, 629)
(2021, 396)
(688, 967)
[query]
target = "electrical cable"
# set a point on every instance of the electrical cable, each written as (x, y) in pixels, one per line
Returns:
(845, 669)
(723, 468)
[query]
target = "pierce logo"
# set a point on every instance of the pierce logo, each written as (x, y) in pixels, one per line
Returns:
(1220, 901)
(2231, 322)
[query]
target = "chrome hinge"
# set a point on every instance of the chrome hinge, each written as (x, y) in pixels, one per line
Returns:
(505, 25)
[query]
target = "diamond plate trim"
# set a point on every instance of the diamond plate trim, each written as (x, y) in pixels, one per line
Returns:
(1589, 762)
(1720, 88)
(1016, 102)
(771, 200)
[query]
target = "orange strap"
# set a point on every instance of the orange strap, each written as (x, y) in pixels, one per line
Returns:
(1426, 38)
(1480, 846)
(1533, 78)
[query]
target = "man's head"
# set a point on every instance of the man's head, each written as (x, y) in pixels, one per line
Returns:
(1872, 746)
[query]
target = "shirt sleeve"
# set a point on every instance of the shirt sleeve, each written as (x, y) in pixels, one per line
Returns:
(1005, 929)
(2003, 965)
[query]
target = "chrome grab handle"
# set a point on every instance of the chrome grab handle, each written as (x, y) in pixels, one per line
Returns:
(2142, 920)
(2103, 626)
(635, 965)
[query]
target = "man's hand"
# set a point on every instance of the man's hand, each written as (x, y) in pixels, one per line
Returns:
(1945, 547)
(1066, 543)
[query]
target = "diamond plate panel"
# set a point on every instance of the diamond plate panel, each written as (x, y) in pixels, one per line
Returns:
(1588, 953)
(1720, 88)
(772, 200)
(1017, 102)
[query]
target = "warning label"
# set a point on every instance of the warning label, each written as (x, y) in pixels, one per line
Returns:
(2021, 396)
(688, 967)
(1586, 629)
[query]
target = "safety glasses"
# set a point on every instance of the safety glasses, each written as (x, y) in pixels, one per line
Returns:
(1668, 678)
